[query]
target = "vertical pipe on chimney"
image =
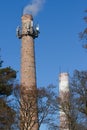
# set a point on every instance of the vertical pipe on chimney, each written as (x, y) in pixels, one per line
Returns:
(64, 100)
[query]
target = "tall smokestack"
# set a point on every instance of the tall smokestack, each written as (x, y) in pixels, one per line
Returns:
(28, 74)
(28, 70)
(64, 100)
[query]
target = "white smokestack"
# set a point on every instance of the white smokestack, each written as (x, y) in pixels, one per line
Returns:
(64, 100)
(64, 82)
(34, 7)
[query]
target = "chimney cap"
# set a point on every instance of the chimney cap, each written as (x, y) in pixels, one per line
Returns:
(63, 74)
(27, 16)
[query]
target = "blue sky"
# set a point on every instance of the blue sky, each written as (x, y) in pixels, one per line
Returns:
(57, 47)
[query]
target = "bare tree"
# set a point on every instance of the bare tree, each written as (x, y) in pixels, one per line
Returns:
(74, 105)
(34, 102)
(48, 113)
(79, 89)
(49, 105)
(83, 34)
(69, 113)
(76, 108)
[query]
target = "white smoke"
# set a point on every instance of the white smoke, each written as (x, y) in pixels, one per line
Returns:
(34, 7)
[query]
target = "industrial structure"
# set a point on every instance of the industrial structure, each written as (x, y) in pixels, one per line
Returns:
(64, 100)
(28, 32)
(28, 94)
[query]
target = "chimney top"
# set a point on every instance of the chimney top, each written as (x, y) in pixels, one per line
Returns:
(63, 74)
(27, 16)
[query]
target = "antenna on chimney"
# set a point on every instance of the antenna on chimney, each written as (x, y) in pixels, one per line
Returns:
(30, 29)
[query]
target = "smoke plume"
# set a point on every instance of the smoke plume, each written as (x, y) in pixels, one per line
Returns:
(34, 7)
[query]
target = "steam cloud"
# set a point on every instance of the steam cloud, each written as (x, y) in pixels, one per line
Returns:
(34, 7)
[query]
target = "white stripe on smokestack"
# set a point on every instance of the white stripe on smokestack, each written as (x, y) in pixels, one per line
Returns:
(64, 98)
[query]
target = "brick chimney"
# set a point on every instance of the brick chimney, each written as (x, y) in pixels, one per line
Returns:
(28, 95)
(28, 69)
